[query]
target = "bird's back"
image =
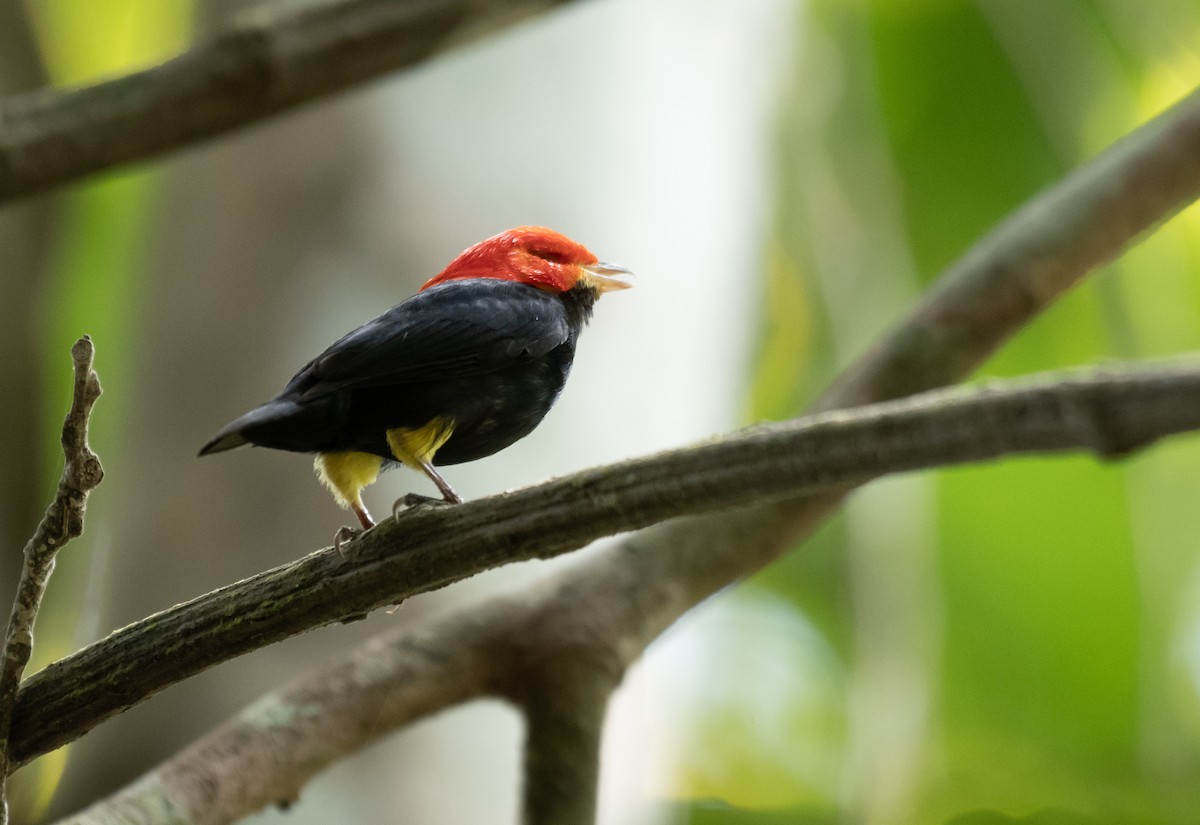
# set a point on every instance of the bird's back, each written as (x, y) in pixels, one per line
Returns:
(489, 356)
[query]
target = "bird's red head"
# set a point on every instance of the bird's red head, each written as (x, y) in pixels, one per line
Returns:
(536, 256)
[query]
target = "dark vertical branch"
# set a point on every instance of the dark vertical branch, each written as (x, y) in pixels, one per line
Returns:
(563, 704)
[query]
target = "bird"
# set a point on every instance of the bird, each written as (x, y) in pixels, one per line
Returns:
(465, 367)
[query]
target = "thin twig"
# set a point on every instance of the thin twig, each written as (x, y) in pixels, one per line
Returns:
(63, 521)
(265, 63)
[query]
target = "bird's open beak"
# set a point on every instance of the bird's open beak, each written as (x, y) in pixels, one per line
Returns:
(607, 277)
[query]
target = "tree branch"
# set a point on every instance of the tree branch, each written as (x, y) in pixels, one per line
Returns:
(252, 761)
(63, 521)
(564, 698)
(1040, 251)
(1031, 258)
(651, 578)
(558, 650)
(271, 749)
(980, 301)
(430, 546)
(267, 62)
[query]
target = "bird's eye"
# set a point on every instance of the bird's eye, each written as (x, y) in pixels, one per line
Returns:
(549, 255)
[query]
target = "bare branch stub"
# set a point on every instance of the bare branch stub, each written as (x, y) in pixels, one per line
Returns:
(62, 522)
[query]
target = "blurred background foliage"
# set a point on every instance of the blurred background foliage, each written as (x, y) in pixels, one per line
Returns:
(1014, 639)
(1017, 643)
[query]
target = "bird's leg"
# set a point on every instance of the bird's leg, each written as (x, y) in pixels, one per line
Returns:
(443, 486)
(413, 499)
(364, 518)
(347, 534)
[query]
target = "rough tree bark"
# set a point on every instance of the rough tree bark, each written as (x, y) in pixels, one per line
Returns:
(431, 546)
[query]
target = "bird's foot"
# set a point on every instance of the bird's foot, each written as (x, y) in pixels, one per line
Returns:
(418, 500)
(345, 535)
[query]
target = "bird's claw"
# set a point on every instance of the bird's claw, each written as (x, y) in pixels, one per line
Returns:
(417, 500)
(345, 535)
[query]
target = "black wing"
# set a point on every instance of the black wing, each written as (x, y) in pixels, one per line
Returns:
(454, 329)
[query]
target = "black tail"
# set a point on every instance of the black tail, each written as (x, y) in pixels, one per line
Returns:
(222, 442)
(302, 427)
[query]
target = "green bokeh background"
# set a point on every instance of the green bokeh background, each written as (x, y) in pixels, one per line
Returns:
(1034, 623)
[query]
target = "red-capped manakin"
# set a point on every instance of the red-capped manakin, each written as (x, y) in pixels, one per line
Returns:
(459, 371)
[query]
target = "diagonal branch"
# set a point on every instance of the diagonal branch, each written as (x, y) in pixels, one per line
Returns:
(558, 651)
(1026, 262)
(996, 288)
(63, 521)
(1021, 267)
(267, 62)
(429, 546)
(1040, 251)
